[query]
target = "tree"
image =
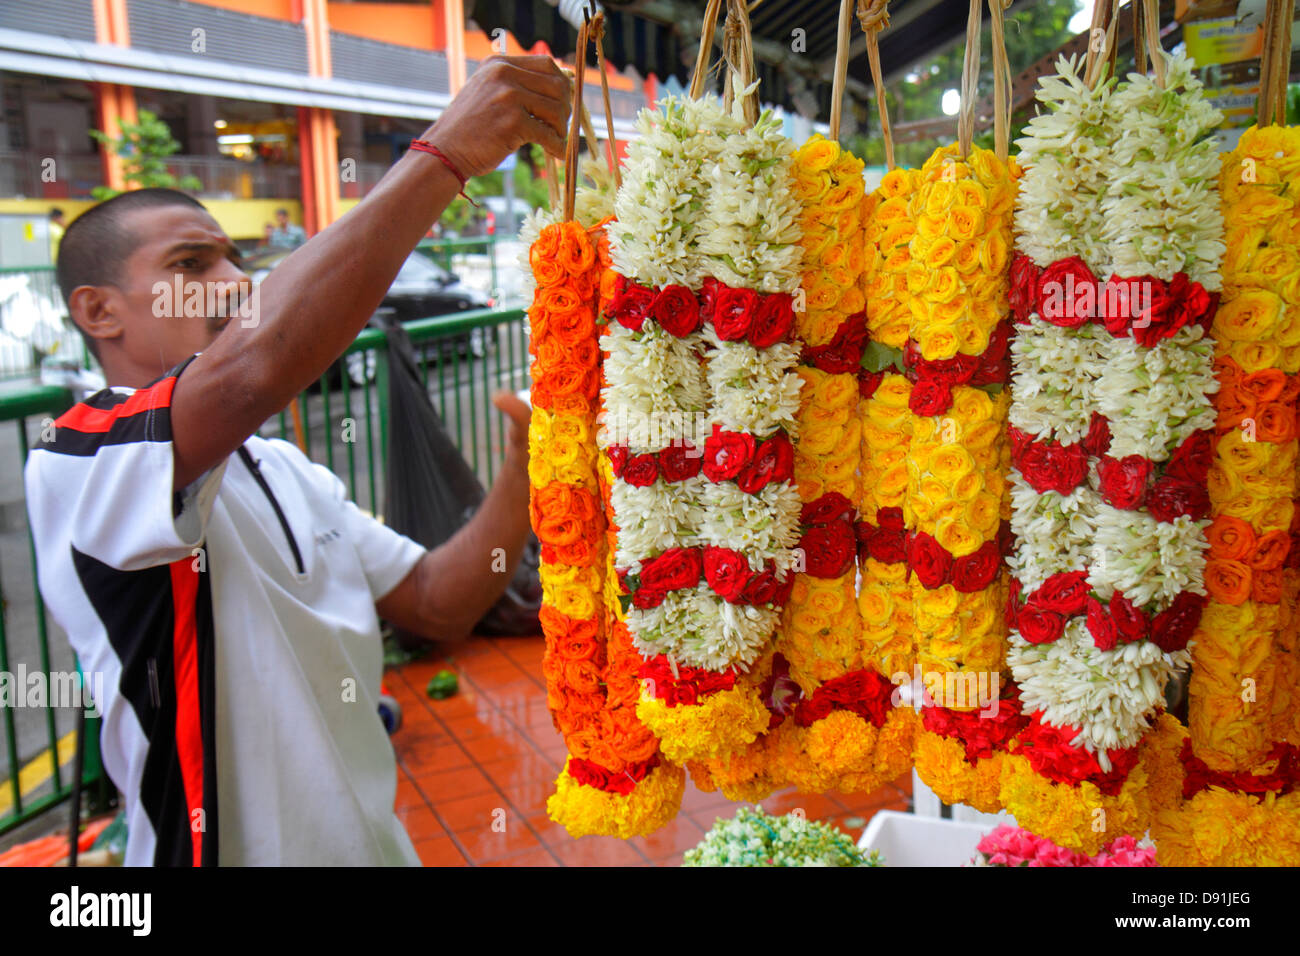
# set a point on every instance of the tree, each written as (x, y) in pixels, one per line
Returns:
(144, 147)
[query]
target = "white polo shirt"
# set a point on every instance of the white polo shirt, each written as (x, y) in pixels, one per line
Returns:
(235, 628)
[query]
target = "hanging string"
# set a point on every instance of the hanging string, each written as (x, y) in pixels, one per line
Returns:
(1151, 18)
(1139, 43)
(706, 48)
(552, 182)
(598, 22)
(571, 145)
(1001, 81)
(841, 67)
(1103, 19)
(970, 74)
(873, 15)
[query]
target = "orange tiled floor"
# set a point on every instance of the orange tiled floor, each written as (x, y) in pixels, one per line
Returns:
(490, 755)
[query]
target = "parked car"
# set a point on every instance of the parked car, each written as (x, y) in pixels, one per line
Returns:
(422, 289)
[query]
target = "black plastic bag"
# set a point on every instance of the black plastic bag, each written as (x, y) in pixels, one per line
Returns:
(431, 491)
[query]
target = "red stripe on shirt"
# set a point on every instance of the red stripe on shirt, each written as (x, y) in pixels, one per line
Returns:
(189, 731)
(84, 418)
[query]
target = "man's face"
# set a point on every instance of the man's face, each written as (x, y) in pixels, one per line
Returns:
(180, 247)
(282, 218)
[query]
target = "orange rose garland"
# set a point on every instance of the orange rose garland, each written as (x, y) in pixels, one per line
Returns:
(612, 782)
(1239, 800)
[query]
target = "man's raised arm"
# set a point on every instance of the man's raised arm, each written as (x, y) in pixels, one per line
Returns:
(313, 305)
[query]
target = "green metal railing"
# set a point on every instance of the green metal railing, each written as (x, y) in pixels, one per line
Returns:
(463, 359)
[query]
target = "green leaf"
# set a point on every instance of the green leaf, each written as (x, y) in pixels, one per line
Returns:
(877, 357)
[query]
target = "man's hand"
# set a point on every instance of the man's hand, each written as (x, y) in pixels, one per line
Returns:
(509, 101)
(519, 414)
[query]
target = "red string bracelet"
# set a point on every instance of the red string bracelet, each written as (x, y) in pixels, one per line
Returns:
(424, 146)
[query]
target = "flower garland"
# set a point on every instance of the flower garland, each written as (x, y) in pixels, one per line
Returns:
(957, 357)
(612, 781)
(753, 838)
(1014, 846)
(1238, 803)
(700, 405)
(1110, 407)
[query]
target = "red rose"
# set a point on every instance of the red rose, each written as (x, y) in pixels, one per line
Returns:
(929, 559)
(773, 320)
(1051, 466)
(1192, 458)
(930, 397)
(617, 455)
(1172, 497)
(1101, 626)
(1130, 622)
(679, 462)
(1097, 442)
(1124, 480)
(888, 545)
(676, 310)
(630, 303)
(994, 366)
(1161, 319)
(831, 506)
(726, 571)
(891, 518)
(726, 454)
(1067, 293)
(646, 598)
(673, 570)
(1024, 287)
(1190, 298)
(709, 290)
(1064, 593)
(783, 470)
(1174, 626)
(868, 382)
(759, 472)
(828, 549)
(1012, 610)
(1038, 625)
(641, 470)
(812, 710)
(763, 588)
(733, 313)
(975, 572)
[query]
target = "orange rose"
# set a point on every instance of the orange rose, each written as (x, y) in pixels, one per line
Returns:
(1231, 538)
(1227, 581)
(1270, 551)
(1266, 586)
(573, 327)
(576, 252)
(1233, 405)
(1275, 423)
(1264, 386)
(560, 298)
(547, 244)
(546, 272)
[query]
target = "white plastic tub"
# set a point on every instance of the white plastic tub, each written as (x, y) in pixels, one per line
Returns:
(905, 839)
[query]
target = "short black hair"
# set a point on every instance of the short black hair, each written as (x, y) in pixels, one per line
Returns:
(56, 213)
(96, 244)
(282, 211)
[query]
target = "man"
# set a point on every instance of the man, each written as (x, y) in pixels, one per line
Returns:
(285, 235)
(221, 583)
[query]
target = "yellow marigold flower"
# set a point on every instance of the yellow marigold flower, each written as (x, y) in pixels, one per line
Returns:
(587, 811)
(721, 723)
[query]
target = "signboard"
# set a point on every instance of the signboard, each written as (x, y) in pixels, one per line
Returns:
(1211, 42)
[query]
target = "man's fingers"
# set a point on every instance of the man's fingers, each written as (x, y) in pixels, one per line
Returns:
(543, 134)
(553, 113)
(551, 82)
(512, 405)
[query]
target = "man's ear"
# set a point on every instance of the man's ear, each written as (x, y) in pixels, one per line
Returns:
(92, 310)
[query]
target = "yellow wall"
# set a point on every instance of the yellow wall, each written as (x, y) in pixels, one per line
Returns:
(240, 218)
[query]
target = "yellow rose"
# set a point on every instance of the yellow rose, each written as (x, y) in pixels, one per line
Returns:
(855, 258)
(894, 392)
(973, 336)
(848, 222)
(950, 462)
(1276, 514)
(847, 486)
(894, 334)
(940, 253)
(945, 313)
(967, 486)
(840, 469)
(818, 441)
(876, 606)
(1248, 316)
(938, 343)
(965, 222)
(957, 537)
(898, 236)
(892, 210)
(879, 571)
(896, 183)
(980, 435)
(941, 602)
(852, 301)
(823, 294)
(818, 154)
(967, 258)
(892, 485)
(811, 190)
(1252, 356)
(970, 405)
(993, 253)
(807, 483)
(540, 473)
(836, 391)
(945, 284)
(1260, 205)
(984, 514)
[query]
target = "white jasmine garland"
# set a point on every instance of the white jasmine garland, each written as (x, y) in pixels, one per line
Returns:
(1150, 561)
(762, 526)
(1053, 371)
(753, 390)
(1108, 695)
(655, 394)
(1054, 532)
(698, 628)
(655, 518)
(1156, 397)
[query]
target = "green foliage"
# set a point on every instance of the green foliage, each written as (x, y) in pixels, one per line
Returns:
(530, 191)
(144, 147)
(1033, 31)
(1293, 105)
